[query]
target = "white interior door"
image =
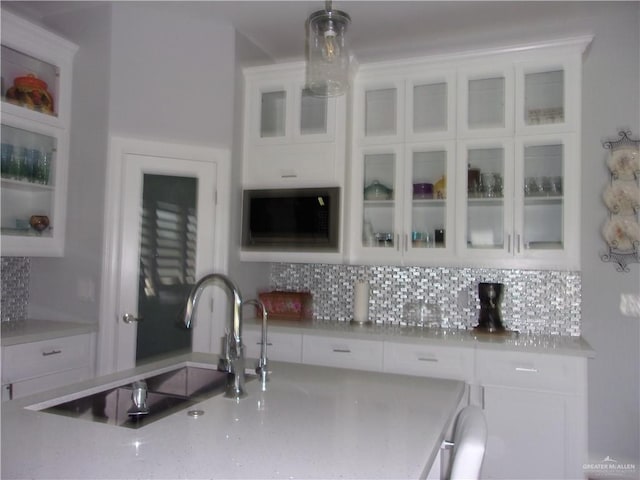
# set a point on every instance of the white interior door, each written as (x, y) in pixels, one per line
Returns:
(166, 217)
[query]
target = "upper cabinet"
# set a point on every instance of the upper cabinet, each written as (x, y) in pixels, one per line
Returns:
(291, 137)
(404, 105)
(486, 100)
(36, 101)
(469, 160)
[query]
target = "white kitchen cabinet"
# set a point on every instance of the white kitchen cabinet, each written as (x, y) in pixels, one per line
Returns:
(535, 406)
(37, 366)
(485, 99)
(356, 353)
(410, 225)
(281, 346)
(507, 121)
(547, 94)
(427, 360)
(404, 102)
(291, 137)
(525, 207)
(35, 137)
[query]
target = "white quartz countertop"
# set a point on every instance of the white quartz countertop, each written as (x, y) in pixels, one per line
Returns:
(311, 422)
(512, 341)
(35, 330)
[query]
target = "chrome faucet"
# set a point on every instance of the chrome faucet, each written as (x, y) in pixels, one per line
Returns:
(262, 365)
(232, 360)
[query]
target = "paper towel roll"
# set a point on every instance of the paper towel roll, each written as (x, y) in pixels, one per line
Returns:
(361, 302)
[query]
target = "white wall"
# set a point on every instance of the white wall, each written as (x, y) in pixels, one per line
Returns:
(68, 288)
(250, 277)
(611, 99)
(171, 75)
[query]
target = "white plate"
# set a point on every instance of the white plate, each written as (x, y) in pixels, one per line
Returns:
(620, 232)
(622, 198)
(624, 163)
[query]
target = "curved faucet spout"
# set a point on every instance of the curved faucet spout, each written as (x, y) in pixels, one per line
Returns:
(233, 356)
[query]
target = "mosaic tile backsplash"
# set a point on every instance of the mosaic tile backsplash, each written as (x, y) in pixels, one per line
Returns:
(14, 288)
(536, 302)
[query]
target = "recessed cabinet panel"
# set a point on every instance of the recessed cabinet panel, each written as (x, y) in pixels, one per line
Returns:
(313, 114)
(381, 112)
(486, 103)
(273, 114)
(430, 108)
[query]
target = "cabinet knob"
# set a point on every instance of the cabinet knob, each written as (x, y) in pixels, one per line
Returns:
(130, 318)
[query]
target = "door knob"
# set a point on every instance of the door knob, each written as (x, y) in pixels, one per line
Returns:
(129, 318)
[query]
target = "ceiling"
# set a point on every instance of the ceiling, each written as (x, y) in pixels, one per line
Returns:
(379, 29)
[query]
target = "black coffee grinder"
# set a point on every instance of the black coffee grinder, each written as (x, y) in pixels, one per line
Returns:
(490, 318)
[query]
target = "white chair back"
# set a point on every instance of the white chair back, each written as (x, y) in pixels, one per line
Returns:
(469, 443)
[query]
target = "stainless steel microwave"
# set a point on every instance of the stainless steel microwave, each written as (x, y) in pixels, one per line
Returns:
(293, 219)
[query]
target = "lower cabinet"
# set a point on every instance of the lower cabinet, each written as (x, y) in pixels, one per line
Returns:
(535, 403)
(38, 366)
(429, 360)
(281, 346)
(342, 352)
(536, 412)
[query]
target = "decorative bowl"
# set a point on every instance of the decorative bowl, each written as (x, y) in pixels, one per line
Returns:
(39, 222)
(377, 191)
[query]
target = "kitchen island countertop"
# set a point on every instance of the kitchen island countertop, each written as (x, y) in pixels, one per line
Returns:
(311, 422)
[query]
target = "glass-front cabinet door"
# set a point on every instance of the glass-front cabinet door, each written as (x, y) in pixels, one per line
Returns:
(485, 196)
(544, 225)
(35, 103)
(287, 112)
(429, 213)
(430, 107)
(485, 102)
(376, 214)
(543, 104)
(379, 106)
(28, 184)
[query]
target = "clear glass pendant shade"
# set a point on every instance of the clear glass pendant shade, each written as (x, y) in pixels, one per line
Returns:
(328, 53)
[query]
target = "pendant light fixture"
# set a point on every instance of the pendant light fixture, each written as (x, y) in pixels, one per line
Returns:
(327, 52)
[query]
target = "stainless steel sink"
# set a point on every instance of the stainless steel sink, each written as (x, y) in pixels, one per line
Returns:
(188, 382)
(167, 393)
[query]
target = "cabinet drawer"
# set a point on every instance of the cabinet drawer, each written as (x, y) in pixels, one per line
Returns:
(342, 353)
(281, 346)
(429, 360)
(29, 360)
(531, 370)
(293, 166)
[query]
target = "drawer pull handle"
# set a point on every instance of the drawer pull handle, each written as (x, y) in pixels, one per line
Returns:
(427, 359)
(288, 175)
(268, 343)
(526, 370)
(342, 350)
(52, 352)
